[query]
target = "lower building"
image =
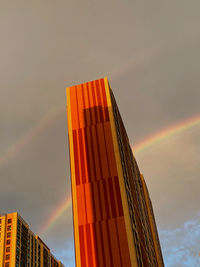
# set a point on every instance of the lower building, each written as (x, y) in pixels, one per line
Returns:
(19, 247)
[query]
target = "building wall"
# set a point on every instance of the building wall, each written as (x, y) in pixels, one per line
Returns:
(8, 239)
(111, 221)
(99, 223)
(19, 247)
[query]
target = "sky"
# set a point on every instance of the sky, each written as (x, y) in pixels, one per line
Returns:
(149, 50)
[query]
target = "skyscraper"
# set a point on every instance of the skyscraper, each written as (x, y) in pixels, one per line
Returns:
(19, 247)
(113, 218)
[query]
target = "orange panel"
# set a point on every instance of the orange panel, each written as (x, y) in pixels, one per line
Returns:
(87, 112)
(95, 102)
(81, 204)
(80, 105)
(76, 161)
(85, 152)
(91, 101)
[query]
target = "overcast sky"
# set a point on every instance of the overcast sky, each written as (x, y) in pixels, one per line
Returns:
(149, 50)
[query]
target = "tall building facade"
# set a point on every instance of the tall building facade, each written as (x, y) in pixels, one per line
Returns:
(114, 225)
(19, 247)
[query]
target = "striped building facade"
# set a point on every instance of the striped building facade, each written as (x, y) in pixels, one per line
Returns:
(113, 217)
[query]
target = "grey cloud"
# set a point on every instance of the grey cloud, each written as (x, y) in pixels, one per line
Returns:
(149, 51)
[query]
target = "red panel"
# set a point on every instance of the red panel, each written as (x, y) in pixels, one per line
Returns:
(89, 202)
(82, 246)
(94, 244)
(103, 154)
(106, 243)
(106, 199)
(103, 203)
(112, 198)
(100, 245)
(110, 149)
(97, 201)
(90, 155)
(114, 243)
(96, 153)
(81, 204)
(89, 245)
(123, 242)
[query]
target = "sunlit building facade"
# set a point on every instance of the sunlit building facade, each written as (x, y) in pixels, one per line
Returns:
(113, 218)
(19, 247)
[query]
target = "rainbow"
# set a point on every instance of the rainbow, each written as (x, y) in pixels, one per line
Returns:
(141, 146)
(56, 215)
(44, 122)
(166, 133)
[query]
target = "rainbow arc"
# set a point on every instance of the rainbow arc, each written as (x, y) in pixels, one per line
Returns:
(138, 148)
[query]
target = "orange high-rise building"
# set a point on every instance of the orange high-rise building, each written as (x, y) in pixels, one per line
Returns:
(19, 247)
(114, 224)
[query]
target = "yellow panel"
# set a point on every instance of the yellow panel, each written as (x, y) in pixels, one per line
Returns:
(74, 200)
(13, 216)
(2, 240)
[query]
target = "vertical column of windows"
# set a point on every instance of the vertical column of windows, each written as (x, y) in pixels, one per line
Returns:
(32, 246)
(45, 257)
(24, 246)
(35, 252)
(8, 241)
(38, 253)
(18, 243)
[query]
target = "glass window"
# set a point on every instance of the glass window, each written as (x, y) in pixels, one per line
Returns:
(8, 242)
(9, 234)
(9, 220)
(8, 249)
(7, 264)
(7, 256)
(8, 227)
